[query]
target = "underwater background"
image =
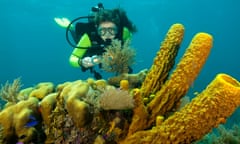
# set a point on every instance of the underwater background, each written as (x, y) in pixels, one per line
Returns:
(34, 47)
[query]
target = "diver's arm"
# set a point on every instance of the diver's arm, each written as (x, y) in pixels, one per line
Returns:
(78, 53)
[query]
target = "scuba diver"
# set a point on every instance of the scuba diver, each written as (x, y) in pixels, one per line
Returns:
(93, 36)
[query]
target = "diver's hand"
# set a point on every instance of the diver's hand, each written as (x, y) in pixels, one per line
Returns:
(90, 61)
(87, 62)
(63, 22)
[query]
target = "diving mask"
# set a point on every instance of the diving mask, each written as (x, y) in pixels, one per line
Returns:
(102, 31)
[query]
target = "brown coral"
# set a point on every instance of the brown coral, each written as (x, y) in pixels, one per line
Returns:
(9, 92)
(118, 58)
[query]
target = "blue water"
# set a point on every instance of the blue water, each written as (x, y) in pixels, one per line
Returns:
(34, 47)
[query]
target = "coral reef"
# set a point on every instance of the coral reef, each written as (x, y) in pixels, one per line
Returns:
(21, 122)
(134, 80)
(209, 109)
(127, 108)
(99, 114)
(118, 58)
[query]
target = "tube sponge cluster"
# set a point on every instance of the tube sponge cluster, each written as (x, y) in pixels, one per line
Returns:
(209, 109)
(183, 76)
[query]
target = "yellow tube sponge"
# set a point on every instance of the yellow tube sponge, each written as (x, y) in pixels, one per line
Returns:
(210, 108)
(164, 60)
(140, 114)
(124, 85)
(183, 76)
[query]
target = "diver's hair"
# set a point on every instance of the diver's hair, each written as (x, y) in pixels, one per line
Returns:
(117, 16)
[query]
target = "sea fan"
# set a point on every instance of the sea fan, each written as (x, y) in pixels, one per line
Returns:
(118, 58)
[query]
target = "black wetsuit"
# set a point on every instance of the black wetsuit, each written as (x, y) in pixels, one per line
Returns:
(98, 44)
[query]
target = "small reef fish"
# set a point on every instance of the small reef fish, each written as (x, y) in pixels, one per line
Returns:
(32, 121)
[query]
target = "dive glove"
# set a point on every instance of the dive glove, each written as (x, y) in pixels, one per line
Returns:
(90, 61)
(63, 22)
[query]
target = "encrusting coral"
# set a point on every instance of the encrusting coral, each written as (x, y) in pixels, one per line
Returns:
(42, 89)
(21, 122)
(127, 108)
(46, 106)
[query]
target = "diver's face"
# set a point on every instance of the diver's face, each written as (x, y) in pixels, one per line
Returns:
(107, 30)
